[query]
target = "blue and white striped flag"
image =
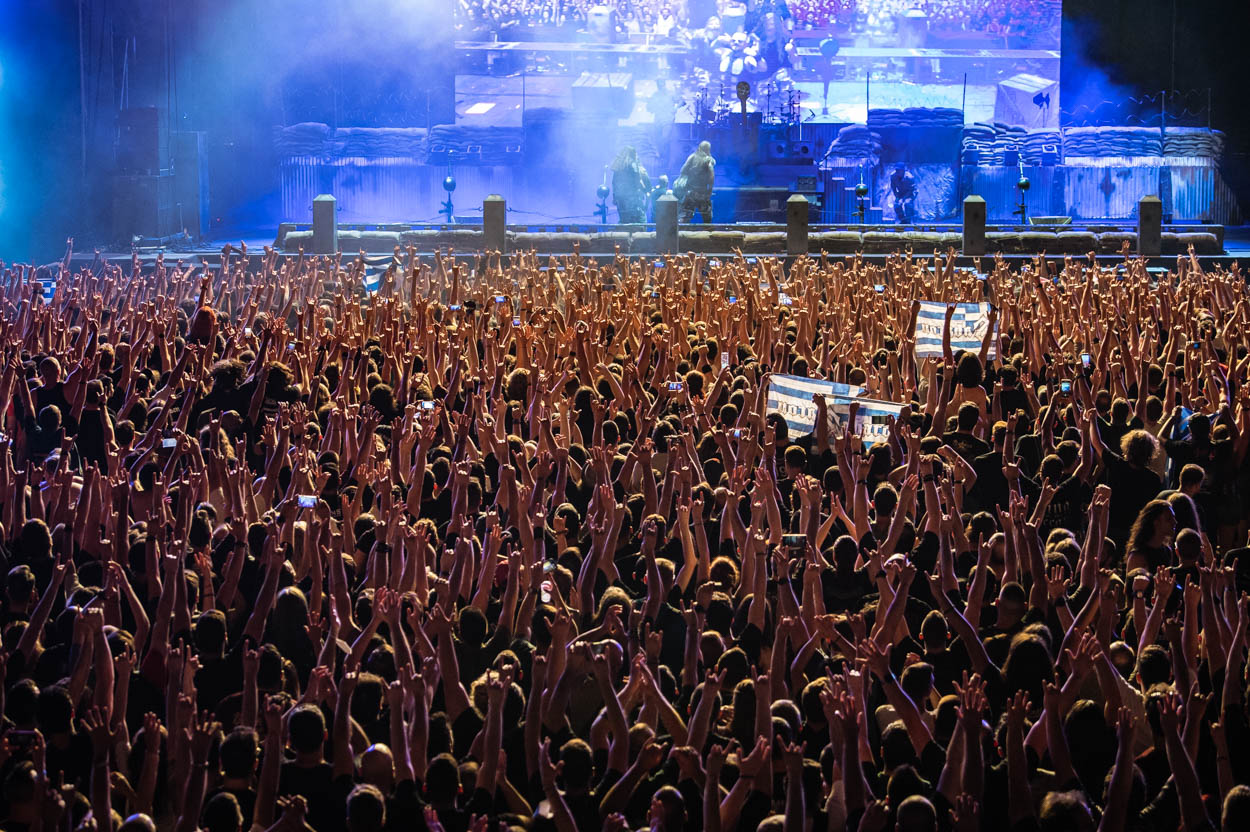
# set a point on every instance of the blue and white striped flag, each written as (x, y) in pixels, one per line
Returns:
(373, 282)
(791, 396)
(872, 419)
(47, 290)
(968, 326)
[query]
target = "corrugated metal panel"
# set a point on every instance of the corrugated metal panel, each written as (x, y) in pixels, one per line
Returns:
(299, 177)
(381, 190)
(997, 186)
(1109, 191)
(385, 190)
(1199, 193)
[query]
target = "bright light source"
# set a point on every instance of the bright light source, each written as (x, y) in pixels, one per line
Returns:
(479, 108)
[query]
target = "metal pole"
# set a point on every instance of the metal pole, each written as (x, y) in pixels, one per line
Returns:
(963, 102)
(82, 95)
(1172, 82)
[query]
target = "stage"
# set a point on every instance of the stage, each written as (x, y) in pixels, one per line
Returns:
(537, 111)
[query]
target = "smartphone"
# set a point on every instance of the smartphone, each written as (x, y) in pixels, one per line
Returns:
(753, 260)
(290, 348)
(548, 567)
(878, 288)
(20, 740)
(794, 541)
(659, 264)
(247, 331)
(516, 321)
(1085, 360)
(307, 500)
(675, 386)
(1195, 346)
(785, 300)
(427, 405)
(724, 360)
(733, 299)
(713, 263)
(544, 592)
(1065, 387)
(738, 433)
(500, 298)
(169, 443)
(654, 293)
(455, 307)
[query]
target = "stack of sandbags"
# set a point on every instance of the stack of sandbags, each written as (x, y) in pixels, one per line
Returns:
(466, 145)
(1112, 141)
(1193, 141)
(916, 117)
(309, 138)
(1031, 148)
(855, 141)
(989, 141)
(379, 142)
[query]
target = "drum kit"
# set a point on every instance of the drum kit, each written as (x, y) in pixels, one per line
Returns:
(777, 101)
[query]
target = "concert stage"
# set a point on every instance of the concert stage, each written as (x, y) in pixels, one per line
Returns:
(534, 104)
(540, 121)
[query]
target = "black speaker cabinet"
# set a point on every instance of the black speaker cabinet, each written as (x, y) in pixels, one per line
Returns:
(142, 141)
(143, 206)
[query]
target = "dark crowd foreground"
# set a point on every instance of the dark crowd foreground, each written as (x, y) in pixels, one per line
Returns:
(516, 543)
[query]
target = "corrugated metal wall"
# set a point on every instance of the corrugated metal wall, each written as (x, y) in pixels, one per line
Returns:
(1110, 187)
(385, 190)
(1199, 192)
(997, 186)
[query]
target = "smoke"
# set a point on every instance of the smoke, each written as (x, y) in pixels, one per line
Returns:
(1089, 94)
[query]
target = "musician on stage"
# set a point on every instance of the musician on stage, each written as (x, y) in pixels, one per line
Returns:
(630, 186)
(697, 177)
(903, 187)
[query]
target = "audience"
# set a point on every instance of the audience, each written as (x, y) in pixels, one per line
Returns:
(1026, 21)
(518, 542)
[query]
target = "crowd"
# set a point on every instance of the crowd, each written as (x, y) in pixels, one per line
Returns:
(518, 542)
(1023, 21)
(664, 18)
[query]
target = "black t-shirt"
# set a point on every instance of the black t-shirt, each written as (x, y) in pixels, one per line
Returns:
(1029, 453)
(315, 784)
(1067, 509)
(1131, 489)
(1013, 399)
(52, 394)
(90, 440)
(991, 488)
(1154, 557)
(845, 593)
(1111, 433)
(966, 445)
(464, 730)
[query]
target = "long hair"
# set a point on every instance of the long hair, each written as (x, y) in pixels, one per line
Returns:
(1144, 526)
(627, 158)
(1137, 447)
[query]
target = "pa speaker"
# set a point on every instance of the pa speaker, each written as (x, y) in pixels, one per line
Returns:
(801, 150)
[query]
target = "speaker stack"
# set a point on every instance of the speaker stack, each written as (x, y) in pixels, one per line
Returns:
(160, 184)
